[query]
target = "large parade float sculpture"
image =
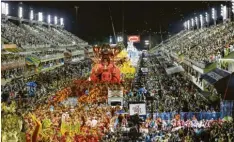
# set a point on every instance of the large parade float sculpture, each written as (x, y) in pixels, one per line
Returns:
(110, 77)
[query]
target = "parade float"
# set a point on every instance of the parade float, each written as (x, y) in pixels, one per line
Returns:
(110, 77)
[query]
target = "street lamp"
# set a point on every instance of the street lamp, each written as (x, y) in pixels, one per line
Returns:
(55, 20)
(110, 40)
(20, 12)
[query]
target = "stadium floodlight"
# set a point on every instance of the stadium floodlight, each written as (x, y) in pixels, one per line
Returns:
(185, 25)
(192, 22)
(147, 42)
(31, 14)
(214, 15)
(55, 20)
(201, 21)
(61, 22)
(3, 6)
(40, 17)
(196, 22)
(207, 18)
(224, 12)
(20, 12)
(7, 9)
(188, 22)
(233, 6)
(48, 19)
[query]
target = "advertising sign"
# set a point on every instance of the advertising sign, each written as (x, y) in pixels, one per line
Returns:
(134, 38)
(139, 109)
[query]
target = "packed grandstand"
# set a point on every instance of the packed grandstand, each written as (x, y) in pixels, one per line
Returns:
(57, 88)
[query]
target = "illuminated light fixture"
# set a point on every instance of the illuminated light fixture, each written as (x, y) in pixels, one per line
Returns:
(31, 14)
(110, 40)
(40, 17)
(196, 22)
(224, 12)
(61, 22)
(192, 22)
(120, 39)
(146, 42)
(185, 25)
(233, 6)
(214, 14)
(201, 20)
(55, 20)
(207, 18)
(188, 22)
(3, 6)
(20, 12)
(48, 19)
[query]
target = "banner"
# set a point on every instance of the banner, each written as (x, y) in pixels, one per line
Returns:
(30, 60)
(134, 38)
(139, 109)
(6, 46)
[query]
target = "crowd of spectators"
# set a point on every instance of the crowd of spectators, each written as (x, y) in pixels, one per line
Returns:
(174, 89)
(19, 35)
(204, 45)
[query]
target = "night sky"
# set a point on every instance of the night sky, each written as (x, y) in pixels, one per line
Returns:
(94, 17)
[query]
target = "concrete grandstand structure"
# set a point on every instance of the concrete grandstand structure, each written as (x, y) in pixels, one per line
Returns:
(200, 51)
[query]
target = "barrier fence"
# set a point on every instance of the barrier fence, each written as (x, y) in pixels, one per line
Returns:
(187, 115)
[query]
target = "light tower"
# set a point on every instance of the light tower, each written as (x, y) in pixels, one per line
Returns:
(201, 21)
(214, 15)
(197, 22)
(233, 9)
(207, 19)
